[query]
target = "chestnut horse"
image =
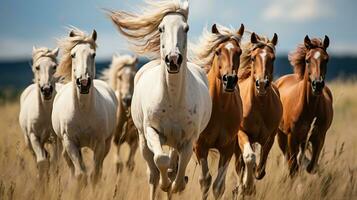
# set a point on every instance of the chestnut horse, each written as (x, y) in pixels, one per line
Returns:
(305, 98)
(219, 51)
(262, 109)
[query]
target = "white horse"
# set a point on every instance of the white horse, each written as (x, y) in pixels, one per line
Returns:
(171, 104)
(36, 105)
(120, 77)
(84, 109)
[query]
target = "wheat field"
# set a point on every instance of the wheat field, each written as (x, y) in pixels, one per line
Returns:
(336, 177)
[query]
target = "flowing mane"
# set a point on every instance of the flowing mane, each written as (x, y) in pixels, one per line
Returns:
(41, 52)
(245, 67)
(297, 57)
(141, 28)
(203, 52)
(118, 63)
(66, 44)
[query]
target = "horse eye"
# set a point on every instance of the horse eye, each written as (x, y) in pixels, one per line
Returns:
(93, 55)
(55, 67)
(307, 61)
(252, 59)
(218, 52)
(187, 28)
(73, 55)
(161, 29)
(37, 68)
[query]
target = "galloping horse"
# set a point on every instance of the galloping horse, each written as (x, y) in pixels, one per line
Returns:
(120, 77)
(171, 103)
(262, 109)
(36, 106)
(84, 110)
(305, 98)
(219, 51)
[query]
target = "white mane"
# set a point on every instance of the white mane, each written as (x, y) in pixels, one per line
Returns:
(141, 28)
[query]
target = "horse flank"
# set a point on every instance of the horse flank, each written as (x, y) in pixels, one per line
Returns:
(66, 44)
(202, 53)
(297, 57)
(141, 30)
(118, 63)
(245, 67)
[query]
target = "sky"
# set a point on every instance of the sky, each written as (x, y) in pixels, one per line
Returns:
(25, 23)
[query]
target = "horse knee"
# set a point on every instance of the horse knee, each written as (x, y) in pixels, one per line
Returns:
(162, 161)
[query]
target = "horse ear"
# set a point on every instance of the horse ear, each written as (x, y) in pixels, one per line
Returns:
(135, 58)
(254, 38)
(94, 35)
(72, 34)
(55, 51)
(307, 42)
(241, 30)
(274, 41)
(185, 5)
(214, 29)
(33, 48)
(326, 42)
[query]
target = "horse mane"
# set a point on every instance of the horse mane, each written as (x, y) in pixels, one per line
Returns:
(297, 57)
(66, 44)
(119, 62)
(245, 66)
(203, 52)
(41, 52)
(141, 28)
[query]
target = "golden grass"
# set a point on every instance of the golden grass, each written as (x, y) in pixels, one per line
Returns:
(336, 177)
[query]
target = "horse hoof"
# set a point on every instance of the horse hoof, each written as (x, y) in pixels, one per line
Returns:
(119, 167)
(165, 188)
(176, 187)
(260, 175)
(43, 167)
(186, 179)
(130, 166)
(311, 170)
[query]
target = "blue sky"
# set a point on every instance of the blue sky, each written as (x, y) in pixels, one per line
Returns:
(25, 23)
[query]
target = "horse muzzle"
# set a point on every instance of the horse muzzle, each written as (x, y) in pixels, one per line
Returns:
(173, 62)
(262, 86)
(229, 82)
(84, 85)
(47, 91)
(127, 101)
(317, 86)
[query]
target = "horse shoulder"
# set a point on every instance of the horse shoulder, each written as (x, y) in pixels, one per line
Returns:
(105, 90)
(144, 68)
(28, 90)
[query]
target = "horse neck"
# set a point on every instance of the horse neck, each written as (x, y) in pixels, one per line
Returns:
(307, 100)
(174, 85)
(83, 101)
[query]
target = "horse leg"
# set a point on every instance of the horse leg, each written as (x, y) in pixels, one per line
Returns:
(260, 171)
(292, 155)
(130, 164)
(219, 183)
(205, 178)
(75, 155)
(283, 143)
(301, 157)
(317, 140)
(249, 161)
(238, 192)
(185, 153)
(121, 127)
(40, 153)
(152, 170)
(100, 151)
(68, 161)
(173, 163)
(161, 160)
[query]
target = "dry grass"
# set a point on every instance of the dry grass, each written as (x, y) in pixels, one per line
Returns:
(336, 178)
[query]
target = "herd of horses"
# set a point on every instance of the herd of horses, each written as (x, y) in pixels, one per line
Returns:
(218, 93)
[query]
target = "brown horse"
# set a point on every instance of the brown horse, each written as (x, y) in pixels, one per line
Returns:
(305, 98)
(220, 52)
(262, 109)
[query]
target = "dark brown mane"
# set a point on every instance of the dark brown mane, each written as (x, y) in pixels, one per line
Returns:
(297, 57)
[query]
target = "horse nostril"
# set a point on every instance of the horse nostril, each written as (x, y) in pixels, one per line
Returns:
(179, 59)
(257, 83)
(224, 78)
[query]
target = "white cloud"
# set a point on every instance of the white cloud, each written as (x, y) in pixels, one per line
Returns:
(297, 10)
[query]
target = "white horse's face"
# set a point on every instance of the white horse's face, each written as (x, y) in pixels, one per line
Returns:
(44, 71)
(125, 85)
(83, 66)
(173, 39)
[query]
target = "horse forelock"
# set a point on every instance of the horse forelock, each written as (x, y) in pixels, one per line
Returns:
(41, 53)
(203, 52)
(67, 44)
(297, 57)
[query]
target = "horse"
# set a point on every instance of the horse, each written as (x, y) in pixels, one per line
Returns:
(262, 110)
(171, 104)
(219, 51)
(120, 77)
(307, 103)
(84, 110)
(36, 106)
